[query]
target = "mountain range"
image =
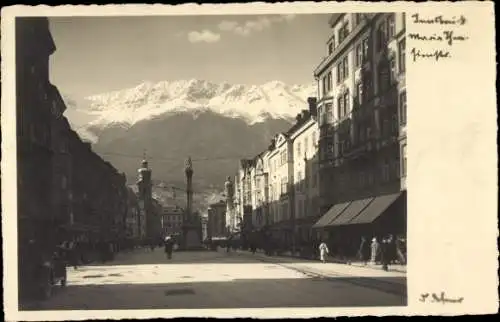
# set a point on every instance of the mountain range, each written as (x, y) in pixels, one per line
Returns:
(215, 124)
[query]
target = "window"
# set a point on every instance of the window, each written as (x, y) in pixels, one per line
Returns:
(298, 149)
(365, 48)
(346, 66)
(403, 163)
(402, 56)
(330, 148)
(343, 69)
(324, 85)
(391, 26)
(329, 113)
(314, 139)
(392, 67)
(340, 106)
(359, 55)
(346, 102)
(329, 82)
(339, 72)
(306, 145)
(359, 92)
(343, 32)
(402, 108)
(357, 18)
(330, 46)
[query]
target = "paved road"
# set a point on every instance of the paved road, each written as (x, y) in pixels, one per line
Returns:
(197, 280)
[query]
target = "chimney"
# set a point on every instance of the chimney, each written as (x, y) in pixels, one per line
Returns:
(298, 117)
(305, 114)
(312, 105)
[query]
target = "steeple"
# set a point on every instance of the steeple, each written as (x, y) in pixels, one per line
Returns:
(144, 160)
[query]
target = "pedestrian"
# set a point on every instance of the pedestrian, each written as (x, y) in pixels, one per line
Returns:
(253, 248)
(385, 255)
(400, 250)
(323, 251)
(169, 245)
(374, 250)
(364, 250)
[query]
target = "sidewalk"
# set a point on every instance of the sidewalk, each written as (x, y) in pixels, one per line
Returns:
(334, 270)
(392, 268)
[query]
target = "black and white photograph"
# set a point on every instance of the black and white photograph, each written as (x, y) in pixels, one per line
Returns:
(221, 161)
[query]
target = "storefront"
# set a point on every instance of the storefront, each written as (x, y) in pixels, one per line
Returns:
(343, 225)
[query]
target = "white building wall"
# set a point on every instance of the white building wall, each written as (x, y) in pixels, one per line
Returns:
(305, 168)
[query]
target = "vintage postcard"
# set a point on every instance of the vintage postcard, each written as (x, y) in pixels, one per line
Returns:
(249, 160)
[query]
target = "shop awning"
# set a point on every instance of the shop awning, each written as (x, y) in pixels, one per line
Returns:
(351, 211)
(376, 208)
(331, 214)
(305, 221)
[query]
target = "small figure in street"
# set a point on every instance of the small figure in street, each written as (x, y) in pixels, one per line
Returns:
(169, 245)
(364, 250)
(375, 249)
(253, 248)
(323, 251)
(385, 254)
(400, 250)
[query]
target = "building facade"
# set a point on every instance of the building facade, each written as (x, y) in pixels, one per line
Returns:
(65, 190)
(133, 223)
(172, 218)
(361, 92)
(304, 135)
(216, 225)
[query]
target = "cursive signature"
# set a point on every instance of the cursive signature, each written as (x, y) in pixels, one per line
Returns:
(439, 20)
(441, 298)
(437, 54)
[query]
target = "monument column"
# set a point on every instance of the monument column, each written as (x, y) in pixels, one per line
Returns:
(191, 228)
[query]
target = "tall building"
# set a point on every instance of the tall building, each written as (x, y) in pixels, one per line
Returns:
(259, 177)
(232, 214)
(35, 112)
(361, 104)
(304, 135)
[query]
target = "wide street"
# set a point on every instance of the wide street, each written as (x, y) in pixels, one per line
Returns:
(196, 280)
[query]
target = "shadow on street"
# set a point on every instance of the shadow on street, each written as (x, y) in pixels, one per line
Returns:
(233, 293)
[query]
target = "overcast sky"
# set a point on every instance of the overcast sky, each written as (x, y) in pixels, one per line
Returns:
(101, 54)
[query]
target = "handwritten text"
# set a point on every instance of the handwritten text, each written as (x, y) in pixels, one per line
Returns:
(439, 298)
(439, 20)
(444, 39)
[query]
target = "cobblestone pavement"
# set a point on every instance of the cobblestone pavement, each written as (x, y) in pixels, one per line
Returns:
(196, 280)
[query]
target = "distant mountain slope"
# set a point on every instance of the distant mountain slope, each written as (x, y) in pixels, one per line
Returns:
(215, 124)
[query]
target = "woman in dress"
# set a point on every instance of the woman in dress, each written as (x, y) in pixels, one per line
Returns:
(323, 251)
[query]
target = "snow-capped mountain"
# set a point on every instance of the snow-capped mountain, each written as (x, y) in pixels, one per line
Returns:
(249, 102)
(215, 124)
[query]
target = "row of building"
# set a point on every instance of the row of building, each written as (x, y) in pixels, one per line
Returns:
(65, 190)
(339, 172)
